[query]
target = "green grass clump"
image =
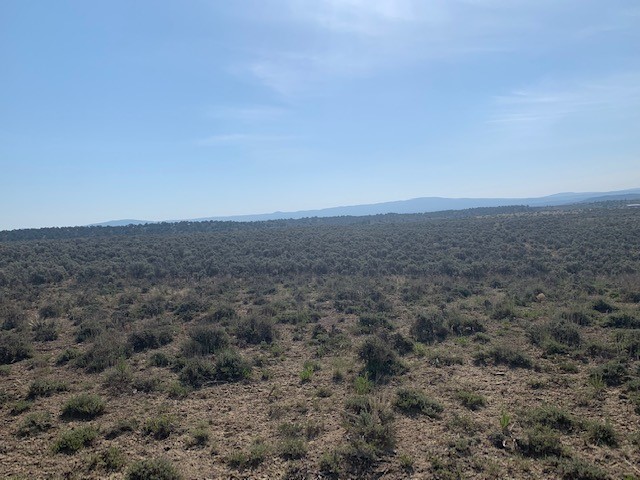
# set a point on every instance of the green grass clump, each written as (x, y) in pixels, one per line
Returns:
(251, 458)
(577, 469)
(471, 400)
(13, 348)
(542, 442)
(292, 448)
(34, 423)
(84, 407)
(380, 360)
(504, 355)
(153, 469)
(412, 402)
(45, 387)
(75, 439)
(552, 417)
(602, 434)
(159, 427)
(111, 460)
(205, 340)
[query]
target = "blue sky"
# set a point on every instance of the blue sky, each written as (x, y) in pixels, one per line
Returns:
(167, 110)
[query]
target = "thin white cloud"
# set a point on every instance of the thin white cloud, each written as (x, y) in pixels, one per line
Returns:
(544, 105)
(351, 38)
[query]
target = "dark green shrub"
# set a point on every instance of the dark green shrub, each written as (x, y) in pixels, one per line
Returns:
(622, 321)
(153, 469)
(380, 360)
(68, 355)
(603, 307)
(613, 373)
(429, 328)
(504, 310)
(75, 439)
(542, 442)
(34, 423)
(370, 432)
(13, 348)
(401, 344)
(461, 325)
(371, 323)
(197, 372)
(251, 458)
(576, 469)
(88, 330)
(204, 340)
(154, 335)
(159, 359)
(292, 448)
(45, 387)
(111, 460)
(255, 330)
(471, 400)
(159, 427)
(413, 402)
(602, 434)
(44, 330)
(104, 353)
(552, 417)
(231, 367)
(504, 355)
(83, 407)
(578, 317)
(125, 425)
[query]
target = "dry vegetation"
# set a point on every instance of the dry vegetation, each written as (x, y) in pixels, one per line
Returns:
(501, 345)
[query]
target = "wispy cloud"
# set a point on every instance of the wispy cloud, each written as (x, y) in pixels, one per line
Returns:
(240, 139)
(544, 105)
(351, 38)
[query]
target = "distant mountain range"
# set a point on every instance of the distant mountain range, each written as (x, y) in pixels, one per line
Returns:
(415, 205)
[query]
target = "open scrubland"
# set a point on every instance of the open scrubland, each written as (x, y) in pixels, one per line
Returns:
(486, 344)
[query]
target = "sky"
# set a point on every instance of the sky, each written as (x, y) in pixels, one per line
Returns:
(156, 109)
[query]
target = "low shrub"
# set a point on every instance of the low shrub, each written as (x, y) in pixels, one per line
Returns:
(576, 469)
(159, 427)
(83, 407)
(153, 469)
(205, 340)
(602, 434)
(255, 330)
(505, 355)
(230, 366)
(542, 442)
(34, 423)
(552, 417)
(412, 402)
(153, 335)
(471, 400)
(13, 348)
(380, 360)
(251, 458)
(45, 387)
(612, 373)
(75, 439)
(429, 328)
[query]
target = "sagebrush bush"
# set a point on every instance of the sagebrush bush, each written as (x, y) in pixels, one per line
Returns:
(159, 427)
(84, 407)
(230, 366)
(13, 348)
(413, 401)
(205, 340)
(152, 335)
(34, 423)
(505, 355)
(45, 387)
(75, 439)
(380, 360)
(153, 469)
(255, 330)
(471, 400)
(429, 328)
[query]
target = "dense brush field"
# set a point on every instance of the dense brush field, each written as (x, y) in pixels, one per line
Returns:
(487, 344)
